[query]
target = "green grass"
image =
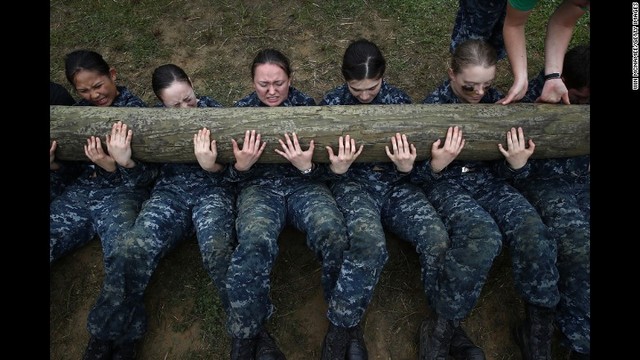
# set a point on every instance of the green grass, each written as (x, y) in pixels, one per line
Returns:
(216, 41)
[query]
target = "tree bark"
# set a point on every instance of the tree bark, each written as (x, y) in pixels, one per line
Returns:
(166, 135)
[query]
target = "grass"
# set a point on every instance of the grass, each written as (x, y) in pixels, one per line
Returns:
(215, 42)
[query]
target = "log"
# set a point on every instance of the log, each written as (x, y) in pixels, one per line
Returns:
(166, 135)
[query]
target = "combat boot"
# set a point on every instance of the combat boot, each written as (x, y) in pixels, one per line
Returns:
(462, 348)
(243, 349)
(534, 336)
(266, 348)
(334, 346)
(435, 338)
(356, 348)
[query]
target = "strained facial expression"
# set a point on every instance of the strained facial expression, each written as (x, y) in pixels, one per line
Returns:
(271, 83)
(179, 94)
(472, 82)
(97, 88)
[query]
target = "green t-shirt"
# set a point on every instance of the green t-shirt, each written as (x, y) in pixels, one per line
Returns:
(523, 5)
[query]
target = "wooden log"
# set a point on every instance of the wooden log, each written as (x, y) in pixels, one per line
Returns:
(166, 135)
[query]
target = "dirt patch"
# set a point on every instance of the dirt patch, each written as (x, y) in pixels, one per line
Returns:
(179, 330)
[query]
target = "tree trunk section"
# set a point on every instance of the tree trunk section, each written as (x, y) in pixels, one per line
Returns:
(166, 135)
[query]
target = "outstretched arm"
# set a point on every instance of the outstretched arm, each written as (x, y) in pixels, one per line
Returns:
(515, 43)
(559, 31)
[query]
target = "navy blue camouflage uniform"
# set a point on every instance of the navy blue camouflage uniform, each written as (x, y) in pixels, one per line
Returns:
(480, 19)
(203, 101)
(388, 95)
(295, 98)
(87, 206)
(444, 95)
(560, 189)
(270, 196)
(185, 199)
(481, 211)
(375, 197)
(103, 204)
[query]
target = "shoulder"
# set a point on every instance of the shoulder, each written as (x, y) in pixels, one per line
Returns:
(335, 96)
(298, 98)
(390, 94)
(127, 98)
(443, 94)
(205, 101)
(249, 100)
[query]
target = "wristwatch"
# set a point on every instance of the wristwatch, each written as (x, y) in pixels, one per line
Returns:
(307, 171)
(555, 75)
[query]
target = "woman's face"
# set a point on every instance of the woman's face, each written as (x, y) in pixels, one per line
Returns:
(472, 82)
(179, 94)
(271, 83)
(97, 88)
(365, 90)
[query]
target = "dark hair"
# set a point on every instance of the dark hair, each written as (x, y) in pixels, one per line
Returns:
(271, 56)
(474, 52)
(576, 68)
(164, 75)
(363, 60)
(84, 60)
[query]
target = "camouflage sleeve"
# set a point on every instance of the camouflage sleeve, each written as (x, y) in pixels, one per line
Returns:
(322, 173)
(234, 176)
(502, 170)
(423, 173)
(142, 175)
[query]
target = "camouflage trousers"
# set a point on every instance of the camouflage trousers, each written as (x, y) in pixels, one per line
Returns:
(402, 209)
(80, 213)
(468, 204)
(480, 19)
(178, 205)
(565, 206)
(263, 212)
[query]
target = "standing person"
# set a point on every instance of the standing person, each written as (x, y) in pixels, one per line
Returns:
(105, 199)
(481, 210)
(560, 189)
(374, 197)
(271, 196)
(480, 19)
(186, 198)
(559, 31)
(61, 173)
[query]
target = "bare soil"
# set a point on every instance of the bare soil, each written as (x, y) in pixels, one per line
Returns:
(185, 318)
(179, 330)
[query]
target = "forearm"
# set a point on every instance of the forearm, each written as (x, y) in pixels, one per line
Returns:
(559, 31)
